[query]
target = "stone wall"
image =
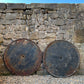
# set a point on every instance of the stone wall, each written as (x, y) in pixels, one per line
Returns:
(42, 23)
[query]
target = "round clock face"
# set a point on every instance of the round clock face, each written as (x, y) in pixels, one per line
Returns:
(61, 58)
(22, 57)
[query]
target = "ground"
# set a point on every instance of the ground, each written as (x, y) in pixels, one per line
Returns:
(46, 79)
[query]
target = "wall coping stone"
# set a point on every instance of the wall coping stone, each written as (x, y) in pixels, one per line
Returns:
(23, 6)
(3, 6)
(16, 6)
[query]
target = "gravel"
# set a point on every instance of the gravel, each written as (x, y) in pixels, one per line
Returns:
(36, 79)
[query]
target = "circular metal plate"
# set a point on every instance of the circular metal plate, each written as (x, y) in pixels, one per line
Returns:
(22, 57)
(61, 58)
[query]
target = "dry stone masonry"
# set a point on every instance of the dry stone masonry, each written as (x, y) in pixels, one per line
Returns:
(42, 23)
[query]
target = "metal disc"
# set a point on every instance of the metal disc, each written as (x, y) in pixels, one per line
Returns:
(61, 58)
(22, 57)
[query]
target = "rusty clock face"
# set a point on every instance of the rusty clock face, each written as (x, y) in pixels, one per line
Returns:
(61, 58)
(22, 57)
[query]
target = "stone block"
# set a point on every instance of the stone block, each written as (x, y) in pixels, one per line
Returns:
(41, 34)
(81, 6)
(8, 36)
(42, 44)
(34, 36)
(74, 8)
(67, 6)
(6, 42)
(2, 16)
(13, 11)
(2, 49)
(32, 28)
(7, 22)
(50, 35)
(80, 15)
(1, 38)
(81, 72)
(16, 6)
(3, 69)
(53, 15)
(81, 56)
(42, 72)
(37, 11)
(70, 21)
(28, 12)
(2, 6)
(12, 36)
(52, 6)
(81, 65)
(58, 22)
(29, 17)
(35, 5)
(46, 41)
(60, 37)
(11, 16)
(42, 28)
(61, 31)
(38, 5)
(79, 36)
(2, 30)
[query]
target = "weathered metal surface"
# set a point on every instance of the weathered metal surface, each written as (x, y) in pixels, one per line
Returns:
(61, 58)
(22, 57)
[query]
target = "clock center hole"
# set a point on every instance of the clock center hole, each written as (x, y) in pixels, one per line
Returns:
(22, 56)
(60, 57)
